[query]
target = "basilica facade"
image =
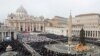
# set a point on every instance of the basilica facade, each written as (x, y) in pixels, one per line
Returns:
(22, 21)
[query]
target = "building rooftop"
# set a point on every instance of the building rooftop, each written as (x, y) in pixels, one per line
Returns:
(88, 14)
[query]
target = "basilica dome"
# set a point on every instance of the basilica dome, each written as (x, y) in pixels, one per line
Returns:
(21, 13)
(21, 10)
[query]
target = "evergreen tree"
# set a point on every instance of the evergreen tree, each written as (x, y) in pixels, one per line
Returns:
(82, 37)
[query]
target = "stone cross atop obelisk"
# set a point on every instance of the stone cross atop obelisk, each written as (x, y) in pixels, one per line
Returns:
(70, 29)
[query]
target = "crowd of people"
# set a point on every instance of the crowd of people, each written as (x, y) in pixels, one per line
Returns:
(40, 40)
(16, 46)
(33, 38)
(39, 47)
(59, 38)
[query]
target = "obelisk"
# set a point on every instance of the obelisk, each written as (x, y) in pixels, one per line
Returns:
(70, 29)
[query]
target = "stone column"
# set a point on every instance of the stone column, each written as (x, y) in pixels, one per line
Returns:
(36, 26)
(39, 25)
(88, 33)
(10, 34)
(85, 33)
(33, 27)
(44, 27)
(19, 26)
(14, 25)
(6, 33)
(70, 29)
(15, 36)
(30, 27)
(27, 26)
(92, 34)
(23, 26)
(2, 35)
(97, 34)
(79, 32)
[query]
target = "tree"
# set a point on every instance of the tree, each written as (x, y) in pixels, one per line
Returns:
(82, 37)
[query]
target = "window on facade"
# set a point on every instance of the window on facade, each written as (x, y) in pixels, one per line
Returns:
(21, 28)
(11, 17)
(41, 28)
(34, 28)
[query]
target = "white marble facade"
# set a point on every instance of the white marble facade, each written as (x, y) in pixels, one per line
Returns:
(21, 21)
(89, 22)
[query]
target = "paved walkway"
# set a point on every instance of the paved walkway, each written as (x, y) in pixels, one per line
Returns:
(31, 50)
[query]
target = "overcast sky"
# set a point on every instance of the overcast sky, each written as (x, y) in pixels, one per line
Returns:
(49, 8)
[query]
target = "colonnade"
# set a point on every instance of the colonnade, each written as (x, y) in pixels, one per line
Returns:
(93, 34)
(4, 34)
(88, 33)
(28, 26)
